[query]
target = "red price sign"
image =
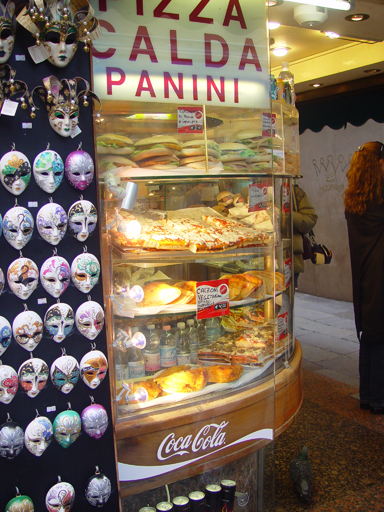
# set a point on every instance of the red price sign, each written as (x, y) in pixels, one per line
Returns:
(258, 197)
(288, 271)
(282, 326)
(286, 198)
(212, 298)
(190, 120)
(268, 127)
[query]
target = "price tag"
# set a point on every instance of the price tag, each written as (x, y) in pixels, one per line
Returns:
(268, 127)
(9, 108)
(26, 126)
(190, 120)
(282, 326)
(33, 204)
(38, 53)
(20, 57)
(42, 301)
(76, 131)
(286, 197)
(288, 271)
(212, 298)
(51, 408)
(258, 197)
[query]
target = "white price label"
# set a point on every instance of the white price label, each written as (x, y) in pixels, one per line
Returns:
(38, 53)
(75, 132)
(33, 204)
(258, 197)
(9, 108)
(26, 126)
(20, 57)
(42, 301)
(51, 408)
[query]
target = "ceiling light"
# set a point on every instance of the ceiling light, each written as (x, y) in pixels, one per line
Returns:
(332, 35)
(341, 5)
(273, 25)
(280, 51)
(273, 3)
(357, 17)
(316, 85)
(373, 70)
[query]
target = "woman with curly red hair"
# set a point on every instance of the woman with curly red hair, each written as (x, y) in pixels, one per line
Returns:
(364, 211)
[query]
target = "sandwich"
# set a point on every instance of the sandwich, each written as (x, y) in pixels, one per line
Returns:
(234, 156)
(263, 159)
(111, 143)
(114, 162)
(251, 139)
(157, 152)
(225, 198)
(193, 154)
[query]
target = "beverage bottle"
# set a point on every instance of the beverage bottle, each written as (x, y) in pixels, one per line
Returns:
(183, 351)
(167, 348)
(152, 352)
(120, 359)
(136, 363)
(193, 340)
(287, 76)
(201, 333)
(213, 328)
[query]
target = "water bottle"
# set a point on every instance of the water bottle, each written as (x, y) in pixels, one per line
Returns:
(213, 328)
(152, 352)
(136, 363)
(167, 348)
(201, 333)
(287, 76)
(120, 359)
(193, 340)
(183, 351)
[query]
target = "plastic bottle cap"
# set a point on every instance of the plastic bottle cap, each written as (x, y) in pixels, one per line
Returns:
(150, 327)
(285, 65)
(166, 328)
(191, 322)
(180, 325)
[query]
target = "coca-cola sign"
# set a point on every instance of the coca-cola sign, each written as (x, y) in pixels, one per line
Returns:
(209, 437)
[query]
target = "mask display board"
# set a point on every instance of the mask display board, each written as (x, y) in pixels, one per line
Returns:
(51, 335)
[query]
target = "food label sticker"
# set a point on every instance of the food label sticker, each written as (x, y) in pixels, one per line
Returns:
(286, 197)
(288, 271)
(212, 298)
(282, 326)
(258, 197)
(9, 108)
(190, 120)
(75, 132)
(38, 53)
(268, 125)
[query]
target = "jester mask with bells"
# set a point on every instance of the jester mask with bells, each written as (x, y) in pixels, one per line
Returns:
(59, 25)
(62, 101)
(9, 86)
(7, 30)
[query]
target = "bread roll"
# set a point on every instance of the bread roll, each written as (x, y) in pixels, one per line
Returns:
(183, 382)
(223, 372)
(185, 297)
(189, 286)
(158, 294)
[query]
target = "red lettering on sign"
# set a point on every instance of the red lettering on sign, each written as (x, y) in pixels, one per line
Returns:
(174, 57)
(229, 16)
(139, 8)
(141, 87)
(208, 38)
(211, 84)
(111, 51)
(194, 16)
(194, 87)
(169, 81)
(236, 91)
(249, 47)
(103, 5)
(111, 82)
(159, 11)
(142, 35)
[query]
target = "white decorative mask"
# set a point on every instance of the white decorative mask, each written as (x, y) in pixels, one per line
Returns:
(65, 373)
(79, 169)
(93, 368)
(5, 335)
(38, 435)
(60, 497)
(55, 275)
(2, 281)
(82, 219)
(90, 319)
(23, 277)
(15, 172)
(27, 330)
(98, 489)
(18, 226)
(11, 439)
(85, 272)
(58, 321)
(9, 383)
(6, 47)
(33, 376)
(51, 221)
(48, 170)
(60, 51)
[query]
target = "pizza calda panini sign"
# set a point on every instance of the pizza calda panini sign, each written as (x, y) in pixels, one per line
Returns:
(212, 52)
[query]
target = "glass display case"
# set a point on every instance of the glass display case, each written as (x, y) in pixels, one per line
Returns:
(197, 263)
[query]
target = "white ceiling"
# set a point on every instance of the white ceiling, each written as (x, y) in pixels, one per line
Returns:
(316, 58)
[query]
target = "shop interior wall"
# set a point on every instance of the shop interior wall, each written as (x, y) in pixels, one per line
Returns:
(325, 158)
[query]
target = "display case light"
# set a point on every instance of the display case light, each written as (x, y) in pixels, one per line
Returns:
(273, 25)
(125, 341)
(140, 395)
(340, 5)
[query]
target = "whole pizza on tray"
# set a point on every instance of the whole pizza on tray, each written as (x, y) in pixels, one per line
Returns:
(191, 229)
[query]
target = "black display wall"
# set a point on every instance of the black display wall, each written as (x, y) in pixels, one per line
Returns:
(34, 476)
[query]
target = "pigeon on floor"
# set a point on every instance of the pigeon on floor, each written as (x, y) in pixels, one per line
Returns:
(300, 470)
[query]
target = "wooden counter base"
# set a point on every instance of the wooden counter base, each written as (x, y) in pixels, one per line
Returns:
(271, 404)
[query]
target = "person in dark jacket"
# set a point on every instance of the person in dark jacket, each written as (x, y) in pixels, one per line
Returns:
(364, 212)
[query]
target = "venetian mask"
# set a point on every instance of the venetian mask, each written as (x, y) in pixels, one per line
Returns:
(33, 376)
(93, 368)
(18, 227)
(21, 503)
(2, 281)
(98, 489)
(8, 384)
(60, 497)
(67, 428)
(51, 221)
(85, 272)
(23, 277)
(38, 435)
(15, 172)
(11, 439)
(82, 219)
(79, 169)
(5, 335)
(65, 373)
(48, 170)
(55, 275)
(27, 330)
(90, 319)
(58, 321)
(7, 31)
(94, 420)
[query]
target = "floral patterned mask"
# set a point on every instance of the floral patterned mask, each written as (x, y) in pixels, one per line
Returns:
(67, 428)
(5, 335)
(90, 319)
(59, 321)
(11, 439)
(20, 503)
(85, 272)
(23, 277)
(15, 172)
(48, 170)
(33, 376)
(79, 169)
(8, 384)
(94, 420)
(98, 489)
(2, 281)
(82, 219)
(51, 221)
(27, 330)
(60, 497)
(38, 435)
(18, 227)
(55, 275)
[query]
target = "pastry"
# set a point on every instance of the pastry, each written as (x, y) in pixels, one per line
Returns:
(158, 294)
(184, 381)
(185, 297)
(224, 373)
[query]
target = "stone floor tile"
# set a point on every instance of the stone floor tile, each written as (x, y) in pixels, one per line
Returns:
(346, 379)
(343, 364)
(316, 354)
(337, 345)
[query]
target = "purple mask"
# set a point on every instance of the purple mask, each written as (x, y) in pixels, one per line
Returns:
(79, 169)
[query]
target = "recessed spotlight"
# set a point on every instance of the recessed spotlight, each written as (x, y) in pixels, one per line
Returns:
(273, 3)
(372, 70)
(316, 85)
(357, 17)
(280, 51)
(332, 35)
(273, 25)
